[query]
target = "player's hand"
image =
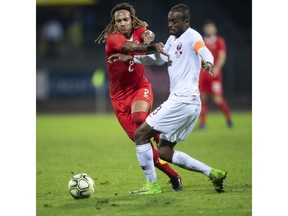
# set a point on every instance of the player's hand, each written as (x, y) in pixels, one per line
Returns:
(160, 48)
(148, 37)
(119, 57)
(207, 66)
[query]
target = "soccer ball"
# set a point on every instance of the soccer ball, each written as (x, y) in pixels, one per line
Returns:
(81, 186)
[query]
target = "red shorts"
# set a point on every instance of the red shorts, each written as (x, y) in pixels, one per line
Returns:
(122, 108)
(210, 85)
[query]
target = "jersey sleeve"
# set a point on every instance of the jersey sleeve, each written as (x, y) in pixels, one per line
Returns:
(139, 32)
(197, 42)
(115, 42)
(156, 58)
(200, 48)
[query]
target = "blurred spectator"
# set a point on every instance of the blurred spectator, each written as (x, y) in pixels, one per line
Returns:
(52, 37)
(212, 86)
(91, 27)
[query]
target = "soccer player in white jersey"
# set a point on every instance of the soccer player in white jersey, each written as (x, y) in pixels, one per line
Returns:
(176, 117)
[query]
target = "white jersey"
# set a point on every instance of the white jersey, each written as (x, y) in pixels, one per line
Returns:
(185, 64)
(176, 117)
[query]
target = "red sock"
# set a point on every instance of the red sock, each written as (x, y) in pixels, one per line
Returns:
(164, 167)
(225, 109)
(203, 113)
(156, 138)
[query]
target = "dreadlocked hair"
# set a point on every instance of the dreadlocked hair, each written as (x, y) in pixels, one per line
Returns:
(110, 28)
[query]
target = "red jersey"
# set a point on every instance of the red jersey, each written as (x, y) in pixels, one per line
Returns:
(208, 84)
(124, 77)
(215, 45)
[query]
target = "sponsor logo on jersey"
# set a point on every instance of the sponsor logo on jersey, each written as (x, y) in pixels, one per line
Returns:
(178, 51)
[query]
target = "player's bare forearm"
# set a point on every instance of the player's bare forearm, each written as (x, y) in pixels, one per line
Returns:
(130, 46)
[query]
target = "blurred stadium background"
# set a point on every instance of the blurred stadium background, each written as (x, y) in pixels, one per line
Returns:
(70, 66)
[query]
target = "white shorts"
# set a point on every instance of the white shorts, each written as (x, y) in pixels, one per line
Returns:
(174, 119)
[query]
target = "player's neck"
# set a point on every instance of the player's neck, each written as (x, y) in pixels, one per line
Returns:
(129, 36)
(181, 32)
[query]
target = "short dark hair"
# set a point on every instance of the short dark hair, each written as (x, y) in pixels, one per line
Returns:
(182, 8)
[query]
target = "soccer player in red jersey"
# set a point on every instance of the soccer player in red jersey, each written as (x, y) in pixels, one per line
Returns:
(212, 86)
(130, 92)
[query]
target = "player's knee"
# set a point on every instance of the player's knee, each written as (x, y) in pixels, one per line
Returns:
(137, 137)
(165, 154)
(139, 117)
(141, 135)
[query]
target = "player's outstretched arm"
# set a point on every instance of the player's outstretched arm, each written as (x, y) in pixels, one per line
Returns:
(152, 59)
(130, 46)
(207, 60)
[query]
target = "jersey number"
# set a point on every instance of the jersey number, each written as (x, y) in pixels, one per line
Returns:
(157, 110)
(131, 68)
(146, 93)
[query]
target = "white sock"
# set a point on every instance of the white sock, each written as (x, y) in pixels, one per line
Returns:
(185, 161)
(145, 157)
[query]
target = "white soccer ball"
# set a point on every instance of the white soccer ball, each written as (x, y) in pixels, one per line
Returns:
(81, 186)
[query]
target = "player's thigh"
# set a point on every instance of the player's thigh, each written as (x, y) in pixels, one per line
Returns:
(143, 133)
(140, 106)
(143, 99)
(183, 123)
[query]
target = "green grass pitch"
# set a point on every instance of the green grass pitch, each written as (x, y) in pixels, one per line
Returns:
(97, 145)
